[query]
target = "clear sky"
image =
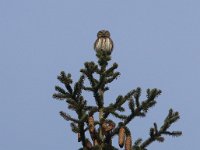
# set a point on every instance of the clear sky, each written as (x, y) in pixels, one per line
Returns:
(157, 44)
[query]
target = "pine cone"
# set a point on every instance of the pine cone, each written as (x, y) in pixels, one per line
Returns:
(121, 137)
(104, 125)
(128, 142)
(107, 126)
(95, 142)
(88, 144)
(79, 137)
(91, 123)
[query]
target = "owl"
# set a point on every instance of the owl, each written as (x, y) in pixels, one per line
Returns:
(103, 42)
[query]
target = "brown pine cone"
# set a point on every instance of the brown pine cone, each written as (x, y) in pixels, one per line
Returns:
(104, 125)
(128, 142)
(88, 144)
(79, 137)
(121, 137)
(91, 123)
(95, 142)
(107, 126)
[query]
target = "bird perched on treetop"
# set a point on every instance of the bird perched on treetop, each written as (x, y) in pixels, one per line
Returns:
(103, 42)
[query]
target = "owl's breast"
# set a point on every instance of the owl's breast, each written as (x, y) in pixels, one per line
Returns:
(104, 44)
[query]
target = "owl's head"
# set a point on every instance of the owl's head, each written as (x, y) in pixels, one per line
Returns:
(103, 33)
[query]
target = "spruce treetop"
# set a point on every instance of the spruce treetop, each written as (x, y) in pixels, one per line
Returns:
(102, 129)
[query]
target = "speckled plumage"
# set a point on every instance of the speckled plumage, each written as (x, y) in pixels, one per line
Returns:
(103, 41)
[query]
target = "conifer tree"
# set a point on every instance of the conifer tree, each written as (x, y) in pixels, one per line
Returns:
(102, 129)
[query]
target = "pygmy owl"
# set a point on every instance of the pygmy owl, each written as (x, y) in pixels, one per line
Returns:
(103, 41)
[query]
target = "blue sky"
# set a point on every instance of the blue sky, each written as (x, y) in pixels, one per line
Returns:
(156, 45)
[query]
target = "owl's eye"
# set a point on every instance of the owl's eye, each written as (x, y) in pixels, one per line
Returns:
(107, 34)
(99, 34)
